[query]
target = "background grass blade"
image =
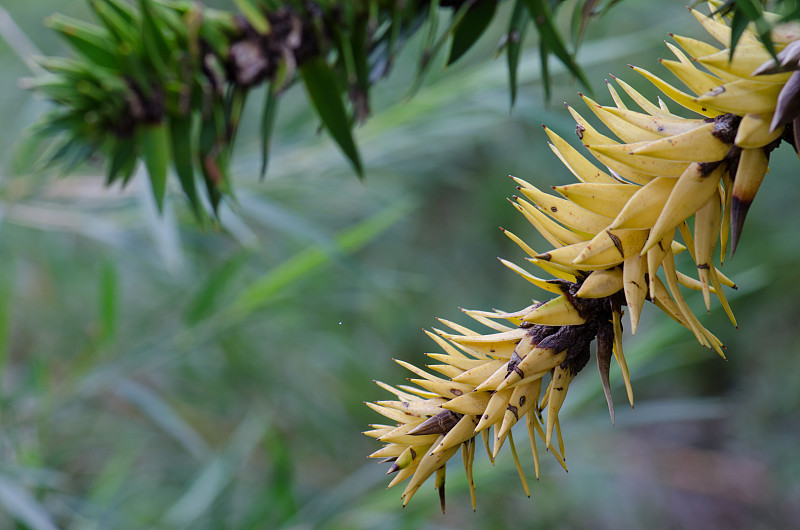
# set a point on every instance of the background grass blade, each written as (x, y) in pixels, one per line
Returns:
(307, 261)
(20, 504)
(216, 476)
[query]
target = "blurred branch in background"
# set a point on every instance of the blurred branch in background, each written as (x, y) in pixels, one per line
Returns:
(25, 49)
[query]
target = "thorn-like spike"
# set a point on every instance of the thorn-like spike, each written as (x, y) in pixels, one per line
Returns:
(518, 466)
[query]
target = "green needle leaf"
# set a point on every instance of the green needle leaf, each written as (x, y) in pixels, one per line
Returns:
(738, 25)
(543, 18)
(212, 166)
(123, 161)
(253, 15)
(360, 92)
(324, 93)
(123, 10)
(267, 125)
(182, 160)
(471, 27)
(157, 49)
(121, 29)
(155, 150)
(515, 36)
(87, 39)
(544, 58)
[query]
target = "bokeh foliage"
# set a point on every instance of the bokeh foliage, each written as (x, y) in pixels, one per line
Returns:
(159, 374)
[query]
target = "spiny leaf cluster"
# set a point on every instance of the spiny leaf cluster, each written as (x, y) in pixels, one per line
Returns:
(166, 82)
(614, 236)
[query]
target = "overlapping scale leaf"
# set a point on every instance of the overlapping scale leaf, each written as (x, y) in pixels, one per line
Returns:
(663, 184)
(747, 83)
(516, 372)
(670, 169)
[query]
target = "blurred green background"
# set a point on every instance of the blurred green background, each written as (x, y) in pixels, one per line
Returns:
(154, 374)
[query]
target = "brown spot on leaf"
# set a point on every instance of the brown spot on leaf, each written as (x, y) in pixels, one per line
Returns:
(513, 410)
(441, 423)
(617, 242)
(725, 127)
(707, 167)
